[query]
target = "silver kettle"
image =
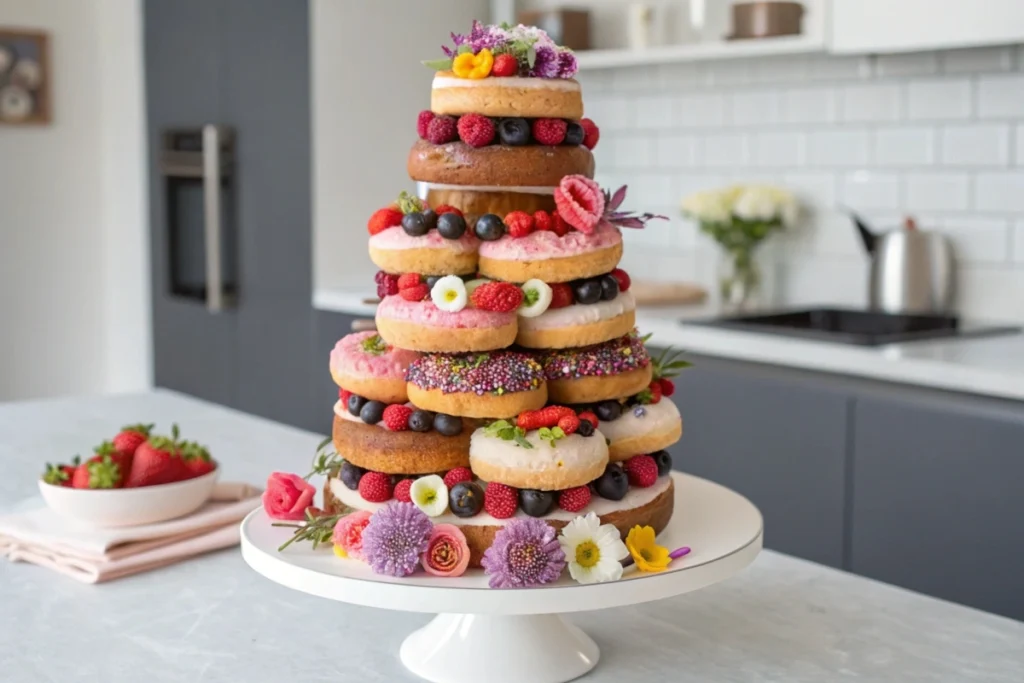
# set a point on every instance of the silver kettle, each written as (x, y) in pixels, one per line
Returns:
(912, 270)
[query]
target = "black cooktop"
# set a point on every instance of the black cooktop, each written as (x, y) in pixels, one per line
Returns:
(859, 327)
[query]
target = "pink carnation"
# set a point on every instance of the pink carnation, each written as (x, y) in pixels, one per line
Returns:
(287, 496)
(447, 552)
(348, 533)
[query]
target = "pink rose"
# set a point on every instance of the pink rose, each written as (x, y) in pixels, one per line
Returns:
(287, 496)
(348, 533)
(447, 552)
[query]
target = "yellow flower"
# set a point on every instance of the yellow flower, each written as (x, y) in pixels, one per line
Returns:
(340, 552)
(469, 65)
(648, 555)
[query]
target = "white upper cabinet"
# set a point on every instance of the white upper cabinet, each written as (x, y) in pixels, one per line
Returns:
(910, 25)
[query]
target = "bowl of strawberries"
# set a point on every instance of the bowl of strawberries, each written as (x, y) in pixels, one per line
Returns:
(138, 477)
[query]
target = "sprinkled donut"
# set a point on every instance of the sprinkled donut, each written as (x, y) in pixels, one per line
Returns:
(365, 364)
(614, 369)
(484, 385)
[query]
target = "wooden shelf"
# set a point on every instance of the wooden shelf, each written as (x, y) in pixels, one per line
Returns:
(694, 52)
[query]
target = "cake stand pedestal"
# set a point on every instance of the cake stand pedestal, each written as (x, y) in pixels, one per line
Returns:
(517, 635)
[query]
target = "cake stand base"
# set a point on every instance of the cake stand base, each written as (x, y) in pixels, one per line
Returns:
(540, 648)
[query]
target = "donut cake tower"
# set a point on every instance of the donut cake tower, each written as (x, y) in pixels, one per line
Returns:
(505, 377)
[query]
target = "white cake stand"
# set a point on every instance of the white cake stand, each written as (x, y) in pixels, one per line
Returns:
(517, 635)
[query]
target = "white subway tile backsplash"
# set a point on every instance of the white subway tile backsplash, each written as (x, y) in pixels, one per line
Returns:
(812, 188)
(652, 191)
(654, 112)
(1019, 134)
(904, 146)
(937, 191)
(632, 151)
(990, 292)
(686, 184)
(939, 99)
(677, 151)
(836, 280)
(872, 102)
(982, 144)
(978, 239)
(676, 76)
(700, 110)
(726, 149)
(750, 107)
(818, 104)
(778, 149)
(978, 59)
(1018, 242)
(729, 72)
(840, 68)
(999, 191)
(1000, 96)
(781, 69)
(838, 147)
(611, 112)
(870, 190)
(907, 64)
(635, 78)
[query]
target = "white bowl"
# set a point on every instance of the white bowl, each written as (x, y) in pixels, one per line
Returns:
(130, 507)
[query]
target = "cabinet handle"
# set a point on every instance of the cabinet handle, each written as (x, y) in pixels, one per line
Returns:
(211, 222)
(364, 324)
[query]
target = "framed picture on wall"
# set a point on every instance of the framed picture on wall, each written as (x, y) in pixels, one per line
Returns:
(24, 77)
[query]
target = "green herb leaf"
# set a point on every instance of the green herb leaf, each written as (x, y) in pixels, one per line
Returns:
(326, 461)
(530, 297)
(438, 64)
(316, 530)
(531, 56)
(463, 49)
(407, 203)
(551, 435)
(506, 431)
(374, 345)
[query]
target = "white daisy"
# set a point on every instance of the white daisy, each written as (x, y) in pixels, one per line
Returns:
(593, 551)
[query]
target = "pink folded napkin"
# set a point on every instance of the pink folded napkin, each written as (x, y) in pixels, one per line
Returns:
(93, 555)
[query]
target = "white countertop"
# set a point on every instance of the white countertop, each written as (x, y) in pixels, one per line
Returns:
(215, 620)
(991, 366)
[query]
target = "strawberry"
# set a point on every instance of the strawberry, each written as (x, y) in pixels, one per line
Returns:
(382, 219)
(575, 499)
(497, 296)
(402, 491)
(591, 133)
(590, 417)
(476, 130)
(409, 280)
(457, 475)
(547, 416)
(559, 226)
(622, 277)
(542, 220)
(569, 424)
(447, 208)
(561, 295)
(157, 461)
(375, 487)
(500, 501)
(344, 395)
(642, 470)
(131, 437)
(396, 416)
(197, 459)
(655, 389)
(417, 293)
(61, 475)
(549, 131)
(668, 387)
(107, 469)
(505, 65)
(519, 223)
(423, 120)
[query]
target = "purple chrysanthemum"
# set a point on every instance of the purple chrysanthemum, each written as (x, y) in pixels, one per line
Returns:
(524, 553)
(395, 538)
(566, 64)
(545, 65)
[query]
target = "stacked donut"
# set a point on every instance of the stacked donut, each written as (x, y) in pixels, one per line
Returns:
(505, 378)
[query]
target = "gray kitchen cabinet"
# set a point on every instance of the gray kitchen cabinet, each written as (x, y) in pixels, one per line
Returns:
(779, 441)
(937, 504)
(328, 329)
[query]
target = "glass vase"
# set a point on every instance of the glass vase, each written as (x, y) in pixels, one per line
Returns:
(739, 281)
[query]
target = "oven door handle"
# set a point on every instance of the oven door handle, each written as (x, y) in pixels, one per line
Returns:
(212, 218)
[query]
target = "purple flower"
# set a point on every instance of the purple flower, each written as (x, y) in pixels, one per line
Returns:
(478, 38)
(395, 538)
(566, 64)
(546, 63)
(639, 411)
(524, 553)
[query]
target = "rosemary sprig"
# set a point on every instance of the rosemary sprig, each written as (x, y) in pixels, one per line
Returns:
(314, 529)
(326, 461)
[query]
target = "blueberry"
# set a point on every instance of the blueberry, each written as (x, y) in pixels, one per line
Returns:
(608, 410)
(585, 428)
(372, 412)
(609, 287)
(516, 132)
(536, 503)
(587, 291)
(664, 461)
(489, 227)
(430, 219)
(355, 404)
(421, 420)
(574, 134)
(448, 425)
(612, 484)
(414, 224)
(451, 225)
(466, 499)
(432, 280)
(350, 475)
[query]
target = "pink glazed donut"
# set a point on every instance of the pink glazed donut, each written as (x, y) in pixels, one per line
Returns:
(546, 256)
(422, 326)
(365, 364)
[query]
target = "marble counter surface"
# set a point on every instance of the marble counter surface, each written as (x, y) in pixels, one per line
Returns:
(214, 620)
(990, 366)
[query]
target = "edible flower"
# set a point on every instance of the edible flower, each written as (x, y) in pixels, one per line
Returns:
(594, 551)
(524, 553)
(447, 552)
(287, 496)
(395, 538)
(648, 555)
(348, 535)
(474, 66)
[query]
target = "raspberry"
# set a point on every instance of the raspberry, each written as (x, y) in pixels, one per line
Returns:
(505, 65)
(561, 295)
(442, 129)
(476, 130)
(668, 387)
(590, 417)
(591, 134)
(417, 293)
(500, 501)
(542, 220)
(623, 279)
(580, 202)
(503, 297)
(445, 208)
(519, 223)
(409, 280)
(457, 475)
(382, 219)
(549, 131)
(559, 226)
(574, 500)
(396, 417)
(423, 122)
(402, 491)
(642, 471)
(569, 424)
(387, 284)
(375, 487)
(343, 396)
